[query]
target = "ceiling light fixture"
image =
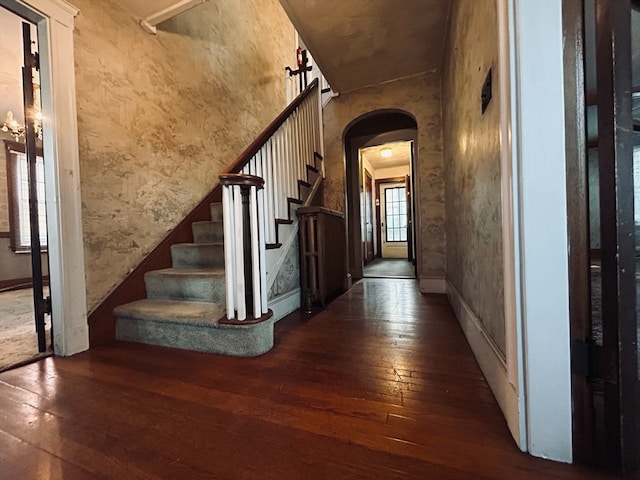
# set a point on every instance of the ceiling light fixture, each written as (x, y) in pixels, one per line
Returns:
(386, 153)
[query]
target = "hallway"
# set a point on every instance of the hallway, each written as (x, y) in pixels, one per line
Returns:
(380, 385)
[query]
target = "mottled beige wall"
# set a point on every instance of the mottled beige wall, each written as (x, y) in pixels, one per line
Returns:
(472, 163)
(160, 116)
(420, 96)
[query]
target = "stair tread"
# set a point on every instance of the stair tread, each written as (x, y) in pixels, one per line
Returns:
(204, 272)
(283, 221)
(198, 244)
(173, 311)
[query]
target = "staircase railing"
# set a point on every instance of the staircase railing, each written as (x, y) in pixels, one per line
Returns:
(254, 200)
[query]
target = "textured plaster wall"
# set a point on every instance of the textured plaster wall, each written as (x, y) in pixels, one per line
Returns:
(160, 116)
(419, 96)
(472, 164)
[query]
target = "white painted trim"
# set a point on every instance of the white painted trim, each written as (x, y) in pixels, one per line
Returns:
(62, 172)
(491, 360)
(171, 11)
(286, 303)
(433, 285)
(58, 10)
(510, 218)
(539, 100)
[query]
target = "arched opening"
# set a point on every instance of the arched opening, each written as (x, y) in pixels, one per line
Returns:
(368, 229)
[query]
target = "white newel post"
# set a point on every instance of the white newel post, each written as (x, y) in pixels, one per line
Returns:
(244, 247)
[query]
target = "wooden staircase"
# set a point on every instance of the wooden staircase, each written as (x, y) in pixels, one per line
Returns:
(185, 305)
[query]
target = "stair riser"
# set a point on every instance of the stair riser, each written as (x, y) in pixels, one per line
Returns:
(197, 256)
(312, 176)
(208, 232)
(183, 287)
(216, 212)
(249, 341)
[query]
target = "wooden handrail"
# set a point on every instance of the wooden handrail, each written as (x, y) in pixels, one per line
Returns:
(242, 180)
(268, 132)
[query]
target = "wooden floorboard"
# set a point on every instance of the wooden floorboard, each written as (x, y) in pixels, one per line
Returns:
(380, 385)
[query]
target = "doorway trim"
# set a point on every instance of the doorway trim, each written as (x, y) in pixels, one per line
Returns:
(540, 238)
(54, 20)
(351, 145)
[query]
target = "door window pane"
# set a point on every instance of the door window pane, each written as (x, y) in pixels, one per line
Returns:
(395, 213)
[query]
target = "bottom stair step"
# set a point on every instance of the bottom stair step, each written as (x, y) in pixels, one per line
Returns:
(190, 326)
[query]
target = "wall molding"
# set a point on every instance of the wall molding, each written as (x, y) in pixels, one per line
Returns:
(20, 283)
(491, 360)
(285, 304)
(433, 285)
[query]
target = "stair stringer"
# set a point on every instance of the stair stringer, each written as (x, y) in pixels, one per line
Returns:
(288, 302)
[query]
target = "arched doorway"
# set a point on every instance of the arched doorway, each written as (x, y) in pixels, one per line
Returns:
(366, 229)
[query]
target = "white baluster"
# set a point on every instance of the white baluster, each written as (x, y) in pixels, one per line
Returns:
(239, 251)
(229, 250)
(289, 155)
(320, 130)
(305, 108)
(255, 253)
(275, 158)
(270, 182)
(263, 268)
(299, 153)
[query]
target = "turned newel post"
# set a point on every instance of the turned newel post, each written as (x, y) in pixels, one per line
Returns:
(244, 247)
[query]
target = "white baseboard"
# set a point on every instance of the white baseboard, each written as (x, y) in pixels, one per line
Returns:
(492, 362)
(433, 285)
(284, 304)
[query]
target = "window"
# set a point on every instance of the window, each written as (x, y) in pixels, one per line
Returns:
(395, 205)
(18, 189)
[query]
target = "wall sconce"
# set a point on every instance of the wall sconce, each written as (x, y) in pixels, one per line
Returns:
(16, 130)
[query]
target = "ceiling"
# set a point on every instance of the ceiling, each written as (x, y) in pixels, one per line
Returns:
(357, 43)
(400, 155)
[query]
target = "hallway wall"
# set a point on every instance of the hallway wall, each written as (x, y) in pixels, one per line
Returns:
(160, 116)
(420, 96)
(472, 165)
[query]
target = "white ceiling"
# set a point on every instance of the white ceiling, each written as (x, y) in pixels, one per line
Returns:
(357, 43)
(400, 155)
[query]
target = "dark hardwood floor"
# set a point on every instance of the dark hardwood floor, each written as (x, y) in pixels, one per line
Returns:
(380, 385)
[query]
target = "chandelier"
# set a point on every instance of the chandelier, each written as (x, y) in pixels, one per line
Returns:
(13, 128)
